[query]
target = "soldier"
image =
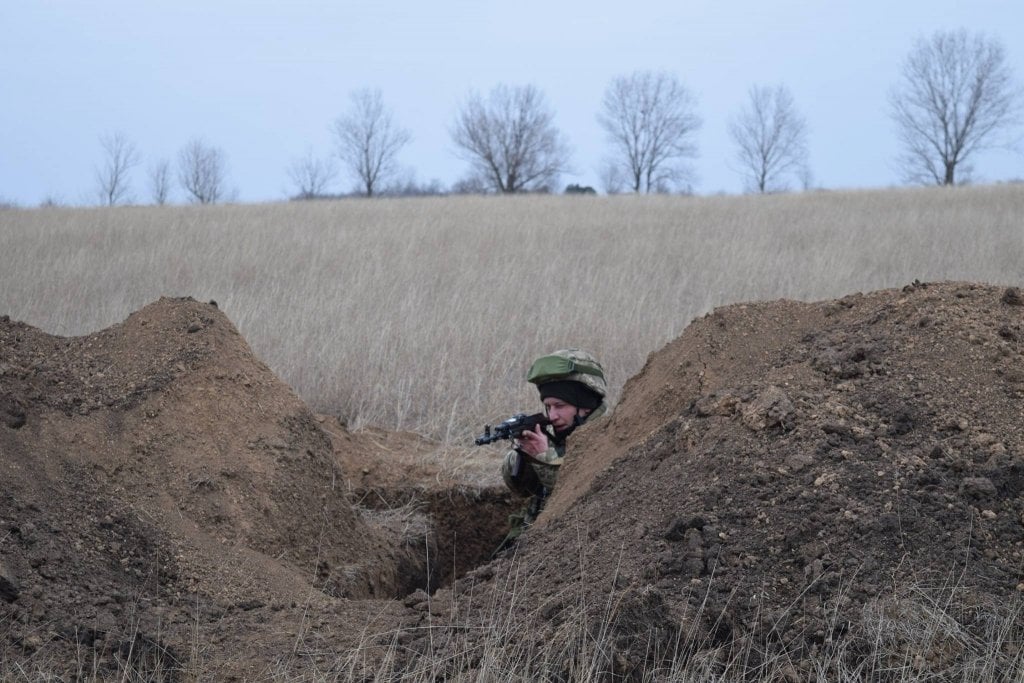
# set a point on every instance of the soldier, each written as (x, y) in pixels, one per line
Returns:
(572, 388)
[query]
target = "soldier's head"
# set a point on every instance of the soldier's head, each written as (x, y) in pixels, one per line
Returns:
(572, 385)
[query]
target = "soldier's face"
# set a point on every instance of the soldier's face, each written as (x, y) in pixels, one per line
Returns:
(561, 413)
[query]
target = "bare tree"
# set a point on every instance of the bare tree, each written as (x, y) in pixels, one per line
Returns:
(160, 182)
(471, 184)
(311, 176)
(510, 140)
(650, 122)
(52, 201)
(406, 185)
(120, 157)
(955, 98)
(612, 179)
(771, 139)
(369, 140)
(202, 171)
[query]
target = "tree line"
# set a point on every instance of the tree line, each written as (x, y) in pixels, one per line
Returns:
(956, 95)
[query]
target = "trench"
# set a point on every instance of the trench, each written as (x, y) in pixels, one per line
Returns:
(464, 528)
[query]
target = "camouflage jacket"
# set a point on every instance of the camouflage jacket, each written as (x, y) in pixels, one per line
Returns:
(545, 465)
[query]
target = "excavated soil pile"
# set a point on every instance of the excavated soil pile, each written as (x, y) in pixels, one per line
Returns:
(168, 505)
(779, 486)
(785, 485)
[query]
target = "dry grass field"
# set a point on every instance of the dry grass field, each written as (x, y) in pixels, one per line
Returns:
(422, 314)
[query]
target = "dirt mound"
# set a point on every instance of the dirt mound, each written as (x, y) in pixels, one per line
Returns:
(163, 488)
(776, 481)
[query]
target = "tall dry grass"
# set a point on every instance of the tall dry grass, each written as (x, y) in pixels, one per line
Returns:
(917, 633)
(423, 314)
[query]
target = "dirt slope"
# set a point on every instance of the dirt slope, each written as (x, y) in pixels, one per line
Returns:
(160, 481)
(782, 476)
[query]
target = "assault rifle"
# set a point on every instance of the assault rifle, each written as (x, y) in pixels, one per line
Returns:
(512, 427)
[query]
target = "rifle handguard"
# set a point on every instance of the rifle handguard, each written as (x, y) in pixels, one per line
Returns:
(512, 427)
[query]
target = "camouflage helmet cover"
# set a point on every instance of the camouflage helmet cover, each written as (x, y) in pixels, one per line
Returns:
(573, 365)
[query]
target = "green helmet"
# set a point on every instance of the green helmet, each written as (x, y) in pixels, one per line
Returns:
(573, 365)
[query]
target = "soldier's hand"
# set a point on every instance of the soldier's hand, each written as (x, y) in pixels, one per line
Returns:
(533, 443)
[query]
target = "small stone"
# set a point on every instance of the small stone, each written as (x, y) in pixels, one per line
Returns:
(983, 439)
(770, 408)
(718, 403)
(798, 461)
(482, 573)
(977, 487)
(680, 525)
(416, 598)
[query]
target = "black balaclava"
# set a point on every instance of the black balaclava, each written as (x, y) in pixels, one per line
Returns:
(573, 393)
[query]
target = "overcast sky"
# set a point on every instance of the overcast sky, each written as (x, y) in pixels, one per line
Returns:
(264, 80)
